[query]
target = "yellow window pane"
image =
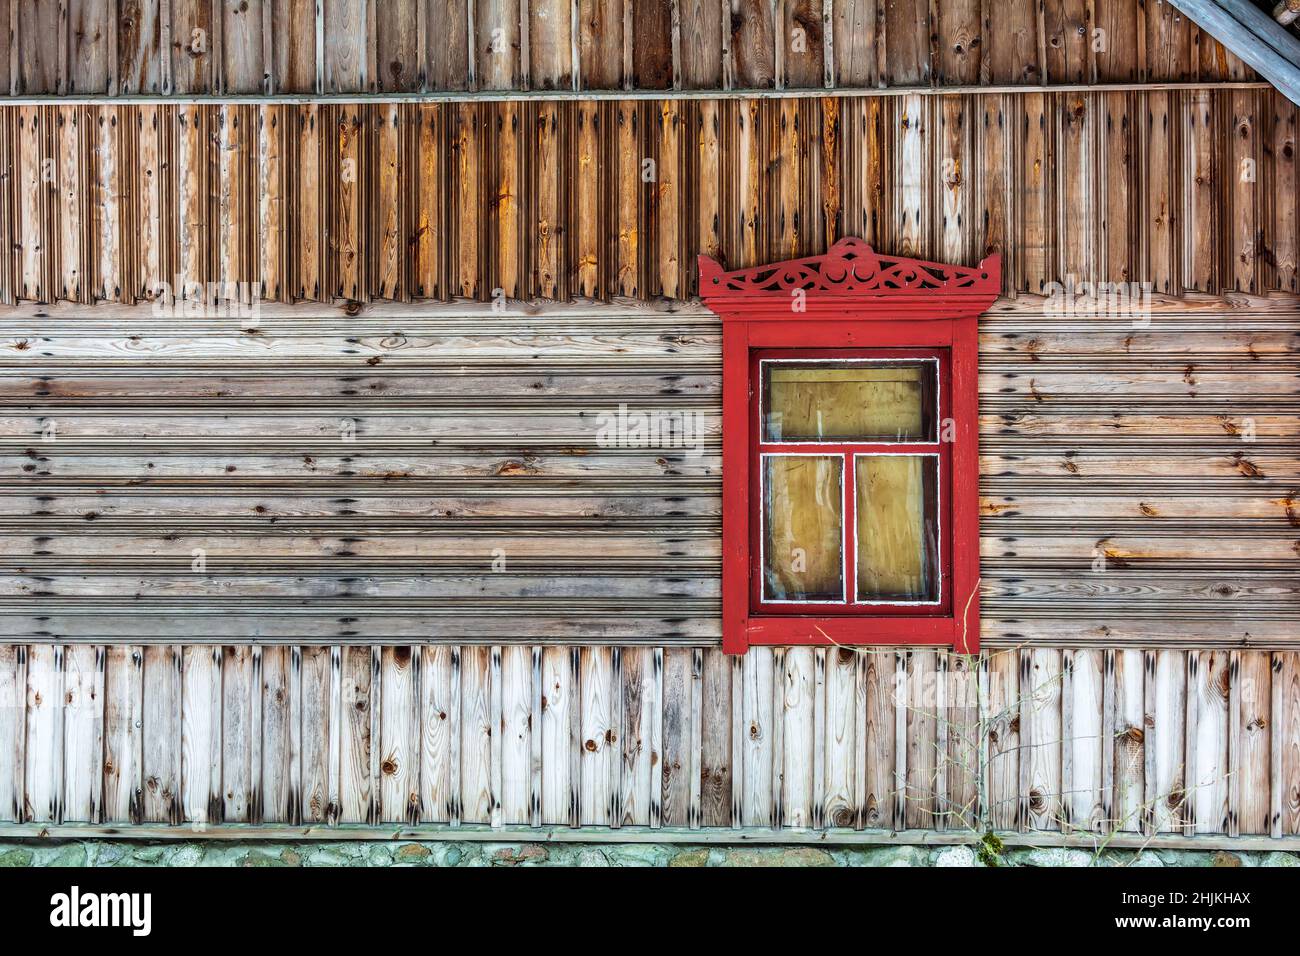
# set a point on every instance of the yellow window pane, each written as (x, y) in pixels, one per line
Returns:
(897, 525)
(802, 528)
(849, 401)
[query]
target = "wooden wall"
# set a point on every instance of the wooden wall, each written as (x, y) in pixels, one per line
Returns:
(187, 47)
(409, 473)
(1058, 740)
(1183, 190)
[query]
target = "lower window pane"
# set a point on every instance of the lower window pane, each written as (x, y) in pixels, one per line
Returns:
(802, 528)
(897, 525)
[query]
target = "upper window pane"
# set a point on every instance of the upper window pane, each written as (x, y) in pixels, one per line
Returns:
(849, 400)
(803, 531)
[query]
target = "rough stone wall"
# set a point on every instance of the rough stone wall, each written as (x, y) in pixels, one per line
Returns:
(449, 853)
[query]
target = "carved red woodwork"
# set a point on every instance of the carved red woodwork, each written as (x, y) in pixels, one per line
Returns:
(852, 301)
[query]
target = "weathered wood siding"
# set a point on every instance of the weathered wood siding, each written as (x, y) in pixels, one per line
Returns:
(1074, 740)
(1182, 190)
(409, 472)
(88, 47)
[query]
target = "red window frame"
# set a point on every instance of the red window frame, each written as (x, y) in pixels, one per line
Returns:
(850, 302)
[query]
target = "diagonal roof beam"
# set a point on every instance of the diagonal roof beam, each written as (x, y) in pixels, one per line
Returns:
(1252, 35)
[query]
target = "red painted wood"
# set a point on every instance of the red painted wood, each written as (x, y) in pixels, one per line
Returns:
(850, 298)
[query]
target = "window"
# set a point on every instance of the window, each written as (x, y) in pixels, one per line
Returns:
(850, 459)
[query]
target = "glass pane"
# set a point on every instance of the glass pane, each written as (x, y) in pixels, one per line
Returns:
(803, 502)
(849, 401)
(897, 517)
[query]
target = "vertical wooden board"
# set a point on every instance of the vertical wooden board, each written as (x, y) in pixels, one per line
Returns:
(788, 226)
(600, 43)
(652, 45)
(798, 700)
(241, 46)
(477, 798)
(83, 733)
(856, 66)
(862, 130)
(449, 48)
(991, 157)
(629, 192)
(71, 204)
(497, 53)
(399, 69)
(139, 47)
(759, 753)
(922, 740)
(753, 44)
(1087, 809)
(347, 234)
(236, 733)
(150, 173)
(277, 746)
(271, 201)
(1076, 260)
(201, 734)
(162, 736)
(43, 774)
(558, 697)
(317, 708)
(1034, 202)
(841, 740)
(1004, 739)
(669, 198)
(701, 43)
(390, 197)
(1254, 746)
(962, 750)
(36, 47)
(33, 188)
(1210, 778)
(191, 53)
(1119, 190)
(465, 160)
(13, 731)
(637, 772)
(90, 46)
(717, 771)
(1201, 190)
(399, 735)
(1289, 741)
(1286, 224)
(550, 44)
(914, 185)
(295, 45)
(1168, 43)
(676, 766)
(804, 44)
(509, 252)
(599, 735)
(877, 747)
(1012, 32)
(517, 694)
(953, 223)
(427, 244)
(959, 43)
(1162, 216)
(907, 38)
(553, 181)
(346, 69)
(123, 728)
(1066, 41)
(193, 160)
(355, 784)
(1243, 171)
(1130, 741)
(437, 723)
(1116, 41)
(1169, 744)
